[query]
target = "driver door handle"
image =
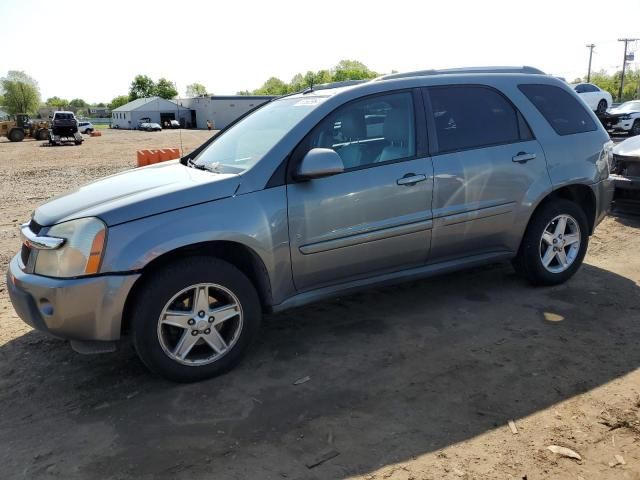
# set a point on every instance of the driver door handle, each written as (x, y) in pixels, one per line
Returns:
(523, 157)
(411, 179)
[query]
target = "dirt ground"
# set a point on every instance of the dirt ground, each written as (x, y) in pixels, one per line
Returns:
(417, 381)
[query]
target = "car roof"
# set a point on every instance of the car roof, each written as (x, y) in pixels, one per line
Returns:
(421, 78)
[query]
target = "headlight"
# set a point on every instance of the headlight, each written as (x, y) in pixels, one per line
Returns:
(81, 253)
(625, 117)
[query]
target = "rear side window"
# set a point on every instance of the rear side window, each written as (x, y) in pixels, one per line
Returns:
(469, 117)
(564, 112)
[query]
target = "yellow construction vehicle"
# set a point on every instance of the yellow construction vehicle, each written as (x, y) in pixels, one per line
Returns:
(23, 126)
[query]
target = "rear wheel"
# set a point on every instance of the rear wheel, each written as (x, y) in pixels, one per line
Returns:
(42, 134)
(16, 135)
(602, 107)
(195, 319)
(554, 243)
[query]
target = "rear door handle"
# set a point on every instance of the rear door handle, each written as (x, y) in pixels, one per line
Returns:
(523, 157)
(411, 179)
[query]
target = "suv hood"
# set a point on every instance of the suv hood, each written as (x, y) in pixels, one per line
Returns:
(139, 193)
(628, 148)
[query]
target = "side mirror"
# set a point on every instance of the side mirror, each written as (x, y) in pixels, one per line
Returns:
(318, 163)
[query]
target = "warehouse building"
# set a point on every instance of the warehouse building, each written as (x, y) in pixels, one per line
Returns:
(155, 109)
(221, 110)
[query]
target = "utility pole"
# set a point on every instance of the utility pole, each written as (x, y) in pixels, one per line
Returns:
(591, 46)
(624, 64)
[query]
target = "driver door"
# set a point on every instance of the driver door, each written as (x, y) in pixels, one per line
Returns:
(375, 217)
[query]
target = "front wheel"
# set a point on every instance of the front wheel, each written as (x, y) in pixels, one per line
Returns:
(554, 243)
(195, 319)
(635, 129)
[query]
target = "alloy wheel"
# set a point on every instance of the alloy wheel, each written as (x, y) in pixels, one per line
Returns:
(560, 243)
(200, 324)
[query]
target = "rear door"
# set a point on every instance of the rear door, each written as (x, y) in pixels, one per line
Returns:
(486, 165)
(376, 216)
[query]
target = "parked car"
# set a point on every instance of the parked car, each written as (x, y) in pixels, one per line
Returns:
(307, 198)
(174, 124)
(150, 127)
(64, 123)
(625, 170)
(597, 99)
(85, 127)
(624, 118)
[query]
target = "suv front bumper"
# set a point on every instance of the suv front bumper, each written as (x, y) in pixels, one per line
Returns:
(76, 308)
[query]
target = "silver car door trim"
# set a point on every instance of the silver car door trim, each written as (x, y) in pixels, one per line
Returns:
(478, 214)
(366, 237)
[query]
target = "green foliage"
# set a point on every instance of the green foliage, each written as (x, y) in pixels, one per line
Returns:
(196, 90)
(142, 87)
(166, 89)
(344, 70)
(78, 103)
(20, 91)
(611, 83)
(57, 102)
(273, 86)
(100, 105)
(352, 70)
(118, 101)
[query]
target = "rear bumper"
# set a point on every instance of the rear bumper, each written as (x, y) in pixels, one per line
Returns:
(76, 309)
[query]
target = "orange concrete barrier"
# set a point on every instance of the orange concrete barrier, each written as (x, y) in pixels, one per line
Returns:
(142, 158)
(149, 157)
(95, 133)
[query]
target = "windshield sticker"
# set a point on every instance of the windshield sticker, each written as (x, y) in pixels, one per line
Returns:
(306, 102)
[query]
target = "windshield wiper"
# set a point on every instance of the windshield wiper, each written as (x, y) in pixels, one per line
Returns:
(214, 167)
(192, 164)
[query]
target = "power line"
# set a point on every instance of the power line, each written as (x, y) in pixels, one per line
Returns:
(624, 63)
(591, 46)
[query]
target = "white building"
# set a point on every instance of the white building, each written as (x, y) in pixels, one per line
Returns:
(220, 110)
(156, 109)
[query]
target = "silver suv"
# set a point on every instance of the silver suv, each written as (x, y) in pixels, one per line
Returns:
(313, 195)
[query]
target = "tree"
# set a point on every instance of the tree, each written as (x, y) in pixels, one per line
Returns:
(20, 91)
(344, 70)
(57, 102)
(196, 90)
(166, 89)
(118, 101)
(273, 86)
(352, 70)
(142, 87)
(78, 103)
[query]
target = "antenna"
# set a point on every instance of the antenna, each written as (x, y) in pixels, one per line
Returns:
(180, 129)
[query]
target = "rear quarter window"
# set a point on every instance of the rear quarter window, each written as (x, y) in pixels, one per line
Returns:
(563, 111)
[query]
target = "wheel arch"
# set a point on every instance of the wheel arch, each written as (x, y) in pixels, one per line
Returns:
(237, 254)
(582, 195)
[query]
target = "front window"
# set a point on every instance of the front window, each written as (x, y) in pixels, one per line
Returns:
(248, 141)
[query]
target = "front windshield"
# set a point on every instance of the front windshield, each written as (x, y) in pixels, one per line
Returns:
(630, 107)
(248, 141)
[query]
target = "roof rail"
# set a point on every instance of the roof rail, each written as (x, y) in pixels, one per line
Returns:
(449, 71)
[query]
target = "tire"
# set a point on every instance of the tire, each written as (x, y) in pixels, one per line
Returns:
(156, 341)
(16, 135)
(529, 261)
(635, 128)
(602, 107)
(42, 134)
